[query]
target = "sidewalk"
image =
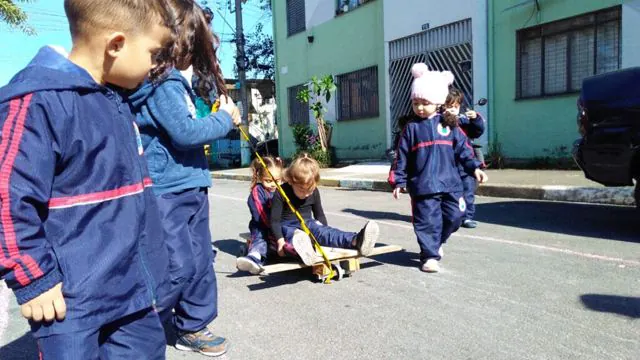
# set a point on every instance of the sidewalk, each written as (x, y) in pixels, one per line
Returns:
(549, 185)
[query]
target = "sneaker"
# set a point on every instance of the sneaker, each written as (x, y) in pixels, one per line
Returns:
(431, 266)
(303, 246)
(203, 342)
(470, 224)
(249, 264)
(367, 237)
(440, 251)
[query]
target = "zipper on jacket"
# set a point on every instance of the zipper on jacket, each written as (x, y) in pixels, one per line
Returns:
(133, 152)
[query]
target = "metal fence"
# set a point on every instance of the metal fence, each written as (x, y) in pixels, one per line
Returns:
(447, 47)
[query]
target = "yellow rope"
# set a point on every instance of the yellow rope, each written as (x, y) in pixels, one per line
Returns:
(303, 224)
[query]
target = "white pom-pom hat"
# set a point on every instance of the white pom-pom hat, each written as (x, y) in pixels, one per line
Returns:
(432, 86)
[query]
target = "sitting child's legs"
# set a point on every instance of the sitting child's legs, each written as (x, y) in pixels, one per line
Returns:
(364, 240)
(256, 254)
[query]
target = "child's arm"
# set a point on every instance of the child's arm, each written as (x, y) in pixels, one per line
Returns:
(318, 211)
(277, 206)
(465, 156)
(28, 263)
(258, 206)
(169, 105)
(398, 175)
(473, 127)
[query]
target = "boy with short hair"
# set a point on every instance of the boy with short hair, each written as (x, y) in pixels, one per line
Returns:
(78, 224)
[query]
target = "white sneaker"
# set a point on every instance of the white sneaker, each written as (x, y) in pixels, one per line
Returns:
(246, 263)
(367, 237)
(440, 251)
(303, 246)
(431, 266)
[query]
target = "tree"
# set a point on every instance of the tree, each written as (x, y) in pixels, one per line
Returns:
(317, 93)
(14, 16)
(259, 50)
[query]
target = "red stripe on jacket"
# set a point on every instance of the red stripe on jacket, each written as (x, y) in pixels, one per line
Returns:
(256, 200)
(13, 141)
(431, 143)
(98, 197)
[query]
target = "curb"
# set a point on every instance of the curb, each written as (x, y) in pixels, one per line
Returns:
(602, 195)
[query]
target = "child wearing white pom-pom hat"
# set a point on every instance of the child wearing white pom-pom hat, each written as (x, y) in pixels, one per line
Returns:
(429, 150)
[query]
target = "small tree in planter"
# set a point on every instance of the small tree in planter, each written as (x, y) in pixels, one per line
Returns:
(313, 94)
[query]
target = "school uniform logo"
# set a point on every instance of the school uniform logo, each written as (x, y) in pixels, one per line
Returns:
(443, 130)
(138, 139)
(462, 205)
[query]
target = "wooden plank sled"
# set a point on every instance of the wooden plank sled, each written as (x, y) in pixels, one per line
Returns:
(344, 261)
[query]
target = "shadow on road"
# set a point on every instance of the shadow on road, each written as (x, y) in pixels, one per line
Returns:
(23, 348)
(620, 305)
(378, 215)
(229, 246)
(589, 220)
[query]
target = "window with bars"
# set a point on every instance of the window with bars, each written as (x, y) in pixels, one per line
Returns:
(554, 58)
(295, 17)
(298, 111)
(358, 94)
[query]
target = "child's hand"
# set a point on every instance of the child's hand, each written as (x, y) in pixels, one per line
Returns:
(481, 176)
(281, 244)
(46, 306)
(397, 191)
(226, 104)
(471, 114)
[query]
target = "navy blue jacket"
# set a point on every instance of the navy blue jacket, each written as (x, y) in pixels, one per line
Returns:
(173, 137)
(74, 197)
(472, 128)
(427, 158)
(259, 203)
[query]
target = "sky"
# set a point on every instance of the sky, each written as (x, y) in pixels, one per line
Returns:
(50, 23)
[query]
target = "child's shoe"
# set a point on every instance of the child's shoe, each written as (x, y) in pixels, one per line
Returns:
(303, 246)
(469, 224)
(367, 237)
(249, 264)
(203, 342)
(431, 266)
(440, 251)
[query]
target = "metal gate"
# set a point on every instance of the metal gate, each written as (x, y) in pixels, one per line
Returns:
(446, 47)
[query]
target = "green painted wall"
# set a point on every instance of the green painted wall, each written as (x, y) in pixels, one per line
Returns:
(525, 128)
(346, 43)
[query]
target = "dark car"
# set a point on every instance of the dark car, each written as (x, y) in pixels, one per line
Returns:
(609, 122)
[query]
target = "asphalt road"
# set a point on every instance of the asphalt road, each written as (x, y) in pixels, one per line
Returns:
(536, 280)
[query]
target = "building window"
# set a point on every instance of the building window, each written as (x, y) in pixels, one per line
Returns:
(343, 6)
(295, 17)
(298, 111)
(554, 58)
(358, 94)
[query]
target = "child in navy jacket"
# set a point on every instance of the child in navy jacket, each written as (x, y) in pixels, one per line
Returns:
(262, 240)
(472, 124)
(174, 138)
(426, 165)
(78, 229)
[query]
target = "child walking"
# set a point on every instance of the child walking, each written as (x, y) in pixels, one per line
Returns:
(301, 187)
(262, 240)
(472, 124)
(173, 139)
(429, 149)
(79, 238)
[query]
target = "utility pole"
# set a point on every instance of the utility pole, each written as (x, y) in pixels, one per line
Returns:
(245, 153)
